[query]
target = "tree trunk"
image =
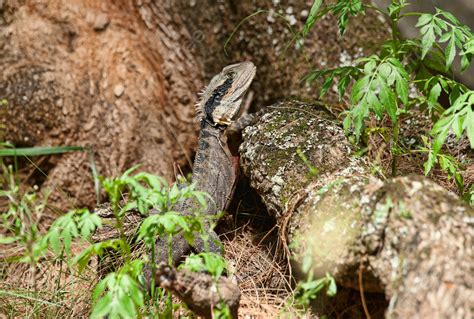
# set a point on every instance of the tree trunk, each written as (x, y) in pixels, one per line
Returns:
(110, 76)
(121, 77)
(406, 237)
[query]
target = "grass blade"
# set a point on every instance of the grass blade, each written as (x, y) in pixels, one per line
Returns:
(36, 151)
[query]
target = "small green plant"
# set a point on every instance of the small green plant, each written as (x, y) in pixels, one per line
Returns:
(121, 293)
(145, 191)
(382, 81)
(312, 171)
(215, 265)
(306, 291)
(20, 221)
(308, 288)
(23, 235)
(211, 263)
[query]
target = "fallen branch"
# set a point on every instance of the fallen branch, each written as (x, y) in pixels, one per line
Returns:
(413, 238)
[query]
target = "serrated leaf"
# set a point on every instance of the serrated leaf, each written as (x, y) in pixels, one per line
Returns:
(433, 96)
(465, 62)
(469, 126)
(427, 42)
(174, 192)
(387, 98)
(99, 288)
(429, 164)
(439, 139)
(347, 123)
(102, 307)
(342, 85)
(424, 19)
(441, 24)
(126, 305)
(458, 126)
(445, 37)
(201, 199)
(326, 85)
(370, 66)
(450, 52)
(384, 70)
(374, 102)
(359, 89)
(312, 16)
(449, 16)
(441, 124)
(54, 241)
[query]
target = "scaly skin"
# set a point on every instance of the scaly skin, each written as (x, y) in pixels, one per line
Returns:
(215, 169)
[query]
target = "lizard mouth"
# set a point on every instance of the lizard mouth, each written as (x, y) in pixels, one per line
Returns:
(223, 121)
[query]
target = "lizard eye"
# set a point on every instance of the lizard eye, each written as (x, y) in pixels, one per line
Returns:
(230, 75)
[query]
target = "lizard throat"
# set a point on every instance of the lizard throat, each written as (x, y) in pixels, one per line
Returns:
(214, 101)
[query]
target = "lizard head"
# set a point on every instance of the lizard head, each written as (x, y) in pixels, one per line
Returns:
(221, 100)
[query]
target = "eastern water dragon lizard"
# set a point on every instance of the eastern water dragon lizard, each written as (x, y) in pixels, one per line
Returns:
(216, 165)
(215, 169)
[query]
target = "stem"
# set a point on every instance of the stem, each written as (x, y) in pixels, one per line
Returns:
(58, 280)
(170, 250)
(121, 232)
(395, 133)
(394, 29)
(153, 270)
(411, 14)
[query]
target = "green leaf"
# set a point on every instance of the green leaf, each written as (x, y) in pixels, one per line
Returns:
(54, 241)
(402, 90)
(450, 51)
(448, 16)
(384, 70)
(465, 62)
(347, 123)
(312, 16)
(102, 307)
(439, 140)
(9, 240)
(174, 192)
(429, 164)
(126, 305)
(424, 19)
(375, 104)
(441, 24)
(458, 126)
(332, 287)
(345, 8)
(359, 89)
(434, 95)
(387, 97)
(341, 86)
(469, 126)
(201, 199)
(100, 288)
(427, 41)
(326, 85)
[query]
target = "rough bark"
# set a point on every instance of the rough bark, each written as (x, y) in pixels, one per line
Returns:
(121, 77)
(114, 77)
(410, 238)
(200, 291)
